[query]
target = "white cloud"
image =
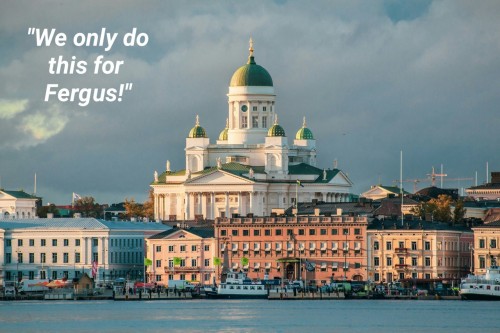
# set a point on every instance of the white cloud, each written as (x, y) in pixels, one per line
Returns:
(44, 124)
(10, 108)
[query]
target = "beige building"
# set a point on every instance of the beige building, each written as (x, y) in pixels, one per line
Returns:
(377, 192)
(417, 250)
(182, 254)
(17, 205)
(488, 191)
(486, 250)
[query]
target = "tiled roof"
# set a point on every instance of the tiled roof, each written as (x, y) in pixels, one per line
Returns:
(377, 224)
(357, 208)
(79, 223)
(393, 189)
(495, 224)
(20, 194)
(201, 232)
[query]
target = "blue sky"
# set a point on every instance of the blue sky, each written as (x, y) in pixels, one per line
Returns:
(371, 77)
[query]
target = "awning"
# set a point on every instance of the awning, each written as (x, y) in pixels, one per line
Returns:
(256, 246)
(323, 246)
(235, 265)
(312, 246)
(234, 246)
(268, 265)
(334, 246)
(256, 265)
(301, 246)
(323, 265)
(267, 247)
(289, 246)
(289, 259)
(278, 246)
(245, 246)
(335, 264)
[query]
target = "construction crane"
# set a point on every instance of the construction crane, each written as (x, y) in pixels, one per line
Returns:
(431, 177)
(414, 181)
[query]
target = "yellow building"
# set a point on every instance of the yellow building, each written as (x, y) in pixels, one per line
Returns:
(486, 251)
(417, 250)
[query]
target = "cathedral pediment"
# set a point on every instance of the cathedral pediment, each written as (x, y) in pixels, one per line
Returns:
(219, 177)
(341, 179)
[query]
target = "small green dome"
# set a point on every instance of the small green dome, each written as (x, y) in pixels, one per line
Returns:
(251, 74)
(197, 131)
(223, 133)
(304, 133)
(276, 130)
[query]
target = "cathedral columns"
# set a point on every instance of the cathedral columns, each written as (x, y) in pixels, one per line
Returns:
(167, 205)
(228, 212)
(250, 204)
(204, 211)
(187, 209)
(212, 205)
(240, 206)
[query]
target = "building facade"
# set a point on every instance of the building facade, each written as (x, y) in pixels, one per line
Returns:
(417, 250)
(488, 191)
(17, 205)
(67, 247)
(251, 169)
(486, 249)
(317, 249)
(182, 254)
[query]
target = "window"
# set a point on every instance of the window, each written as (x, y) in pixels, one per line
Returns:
(43, 258)
(413, 246)
(66, 242)
(267, 232)
(493, 243)
(8, 258)
(170, 248)
(427, 261)
(482, 262)
(376, 261)
(223, 232)
(234, 232)
(322, 232)
(401, 260)
(246, 232)
(256, 232)
(255, 121)
(32, 242)
(207, 262)
(254, 108)
(278, 232)
(183, 264)
(19, 242)
(414, 261)
(264, 108)
(427, 246)
(357, 231)
(32, 258)
(77, 242)
(183, 248)
(158, 248)
(357, 265)
(389, 261)
(482, 244)
(193, 248)
(264, 122)
(8, 242)
(54, 275)
(65, 257)
(194, 263)
(207, 247)
(376, 277)
(302, 232)
(244, 122)
(401, 245)
(194, 277)
(312, 232)
(376, 245)
(388, 245)
(20, 258)
(335, 232)
(77, 257)
(54, 242)
(345, 231)
(54, 258)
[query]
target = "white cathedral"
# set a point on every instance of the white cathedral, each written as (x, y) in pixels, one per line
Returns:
(251, 170)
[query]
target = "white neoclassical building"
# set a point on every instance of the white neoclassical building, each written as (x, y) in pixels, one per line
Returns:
(17, 205)
(252, 169)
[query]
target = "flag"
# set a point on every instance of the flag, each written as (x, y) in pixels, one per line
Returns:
(244, 261)
(217, 261)
(94, 269)
(299, 183)
(76, 196)
(148, 262)
(310, 266)
(177, 261)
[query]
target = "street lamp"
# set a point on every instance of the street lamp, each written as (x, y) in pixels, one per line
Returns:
(346, 249)
(17, 267)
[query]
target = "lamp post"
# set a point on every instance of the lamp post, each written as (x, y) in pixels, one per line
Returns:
(17, 268)
(471, 249)
(346, 249)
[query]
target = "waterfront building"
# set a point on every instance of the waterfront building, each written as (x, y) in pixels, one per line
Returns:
(67, 247)
(182, 254)
(17, 205)
(415, 249)
(486, 249)
(317, 249)
(251, 169)
(488, 191)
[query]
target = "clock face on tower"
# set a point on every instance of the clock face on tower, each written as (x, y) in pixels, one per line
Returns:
(244, 108)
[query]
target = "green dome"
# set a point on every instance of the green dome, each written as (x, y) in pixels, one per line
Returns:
(251, 74)
(304, 133)
(276, 130)
(223, 134)
(197, 131)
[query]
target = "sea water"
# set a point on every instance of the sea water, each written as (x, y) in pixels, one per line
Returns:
(311, 316)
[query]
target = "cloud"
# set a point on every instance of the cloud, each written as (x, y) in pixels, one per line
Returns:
(10, 108)
(44, 124)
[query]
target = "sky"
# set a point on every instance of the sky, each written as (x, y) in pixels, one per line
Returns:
(373, 78)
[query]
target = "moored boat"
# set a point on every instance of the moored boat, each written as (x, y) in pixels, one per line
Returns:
(238, 286)
(482, 287)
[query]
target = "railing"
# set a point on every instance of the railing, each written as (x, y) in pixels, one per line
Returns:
(401, 250)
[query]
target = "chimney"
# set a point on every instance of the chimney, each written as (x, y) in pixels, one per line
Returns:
(316, 211)
(339, 211)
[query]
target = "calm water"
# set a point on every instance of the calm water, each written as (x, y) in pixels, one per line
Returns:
(250, 316)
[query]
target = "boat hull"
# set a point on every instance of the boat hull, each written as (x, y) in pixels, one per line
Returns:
(215, 295)
(479, 297)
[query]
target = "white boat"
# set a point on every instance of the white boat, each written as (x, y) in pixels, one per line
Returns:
(482, 287)
(238, 286)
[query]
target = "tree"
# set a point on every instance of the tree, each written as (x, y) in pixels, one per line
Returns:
(87, 207)
(459, 212)
(133, 209)
(440, 209)
(148, 206)
(44, 210)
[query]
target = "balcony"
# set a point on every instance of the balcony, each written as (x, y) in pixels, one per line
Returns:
(401, 266)
(401, 250)
(182, 269)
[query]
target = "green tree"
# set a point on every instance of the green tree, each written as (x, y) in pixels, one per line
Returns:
(440, 209)
(42, 211)
(148, 206)
(133, 209)
(87, 207)
(459, 212)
